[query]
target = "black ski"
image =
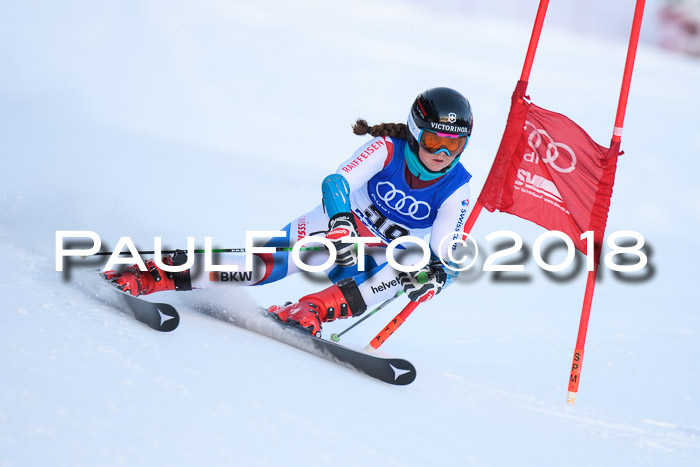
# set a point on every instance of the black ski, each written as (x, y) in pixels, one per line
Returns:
(158, 316)
(394, 371)
(389, 370)
(164, 317)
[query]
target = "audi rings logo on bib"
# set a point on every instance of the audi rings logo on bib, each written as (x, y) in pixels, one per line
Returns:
(401, 202)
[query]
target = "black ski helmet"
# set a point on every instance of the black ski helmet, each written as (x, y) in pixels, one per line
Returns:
(442, 110)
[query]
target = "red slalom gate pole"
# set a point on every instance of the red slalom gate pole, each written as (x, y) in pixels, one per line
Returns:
(534, 40)
(575, 376)
(629, 67)
(524, 78)
(577, 362)
(399, 319)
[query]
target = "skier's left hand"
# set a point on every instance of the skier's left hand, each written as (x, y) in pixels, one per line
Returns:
(339, 226)
(424, 284)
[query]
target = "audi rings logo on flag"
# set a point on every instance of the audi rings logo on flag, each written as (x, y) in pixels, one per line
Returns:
(552, 152)
(401, 202)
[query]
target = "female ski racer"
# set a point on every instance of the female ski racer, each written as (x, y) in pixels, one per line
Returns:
(406, 181)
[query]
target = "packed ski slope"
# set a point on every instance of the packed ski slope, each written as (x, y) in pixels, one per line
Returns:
(212, 118)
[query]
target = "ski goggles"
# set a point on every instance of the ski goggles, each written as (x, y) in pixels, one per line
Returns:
(435, 142)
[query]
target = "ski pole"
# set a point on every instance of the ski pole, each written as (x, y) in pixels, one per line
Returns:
(336, 337)
(393, 325)
(399, 319)
(220, 250)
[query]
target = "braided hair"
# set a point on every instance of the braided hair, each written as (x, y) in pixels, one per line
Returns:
(392, 130)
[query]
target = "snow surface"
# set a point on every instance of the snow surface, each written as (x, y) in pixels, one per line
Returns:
(211, 118)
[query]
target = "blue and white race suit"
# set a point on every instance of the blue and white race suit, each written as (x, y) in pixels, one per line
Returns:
(386, 207)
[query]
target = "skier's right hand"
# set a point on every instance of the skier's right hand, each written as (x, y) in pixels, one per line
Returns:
(424, 284)
(339, 226)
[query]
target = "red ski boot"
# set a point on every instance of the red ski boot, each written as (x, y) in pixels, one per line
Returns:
(337, 301)
(136, 282)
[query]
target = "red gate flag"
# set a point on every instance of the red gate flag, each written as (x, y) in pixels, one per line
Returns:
(549, 171)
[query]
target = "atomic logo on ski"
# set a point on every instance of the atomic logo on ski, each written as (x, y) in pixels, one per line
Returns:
(159, 316)
(164, 317)
(398, 371)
